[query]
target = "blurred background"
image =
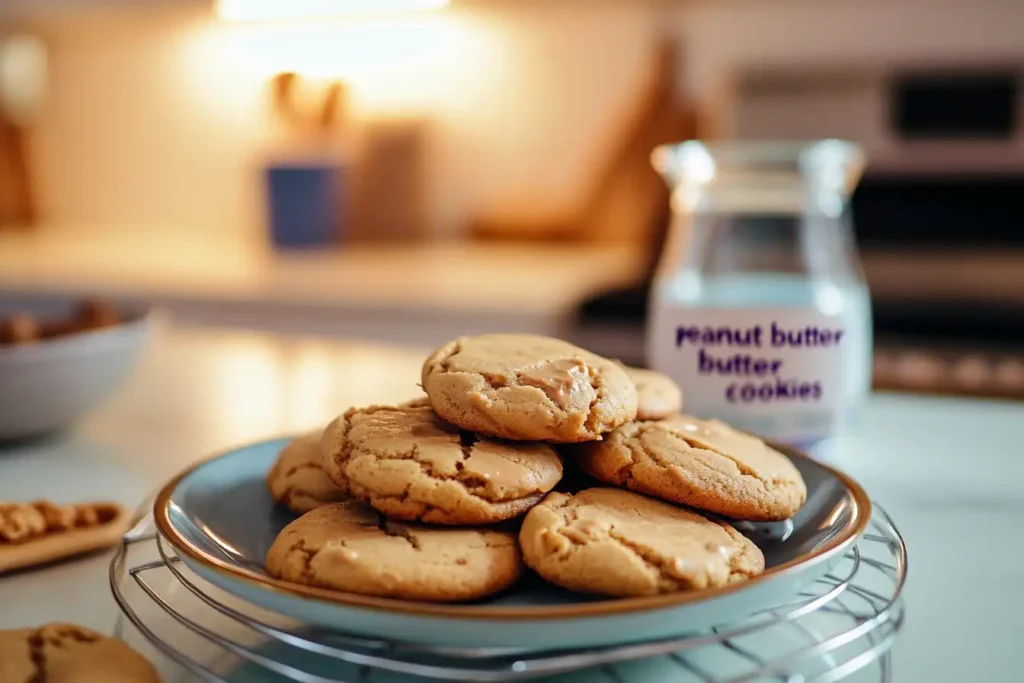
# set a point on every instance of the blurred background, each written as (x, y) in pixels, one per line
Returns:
(401, 170)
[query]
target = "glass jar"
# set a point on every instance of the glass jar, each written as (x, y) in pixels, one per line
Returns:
(759, 308)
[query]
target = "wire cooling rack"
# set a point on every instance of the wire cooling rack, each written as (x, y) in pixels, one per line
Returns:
(841, 624)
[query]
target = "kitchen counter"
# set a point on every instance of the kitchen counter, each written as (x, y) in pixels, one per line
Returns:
(949, 472)
(369, 292)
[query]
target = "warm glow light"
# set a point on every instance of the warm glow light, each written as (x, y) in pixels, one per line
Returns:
(358, 47)
(267, 10)
(23, 71)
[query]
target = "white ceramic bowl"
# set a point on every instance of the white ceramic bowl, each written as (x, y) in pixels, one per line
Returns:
(47, 385)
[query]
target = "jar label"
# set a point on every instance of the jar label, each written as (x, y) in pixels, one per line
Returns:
(777, 372)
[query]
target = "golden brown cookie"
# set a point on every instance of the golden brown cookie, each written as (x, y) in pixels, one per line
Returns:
(702, 463)
(64, 653)
(16, 664)
(411, 465)
(528, 388)
(297, 479)
(657, 395)
(613, 542)
(352, 547)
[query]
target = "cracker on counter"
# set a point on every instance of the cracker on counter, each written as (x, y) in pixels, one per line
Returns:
(41, 532)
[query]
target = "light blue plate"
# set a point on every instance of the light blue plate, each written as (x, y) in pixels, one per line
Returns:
(220, 518)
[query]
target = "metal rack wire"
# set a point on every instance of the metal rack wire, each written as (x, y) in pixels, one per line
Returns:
(845, 622)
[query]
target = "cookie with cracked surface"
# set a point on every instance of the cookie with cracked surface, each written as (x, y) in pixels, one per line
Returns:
(702, 463)
(353, 548)
(70, 654)
(411, 465)
(297, 479)
(528, 388)
(657, 395)
(613, 542)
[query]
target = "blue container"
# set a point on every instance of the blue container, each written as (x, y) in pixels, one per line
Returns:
(305, 204)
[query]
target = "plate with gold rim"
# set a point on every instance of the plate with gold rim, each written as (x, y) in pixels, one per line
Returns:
(219, 517)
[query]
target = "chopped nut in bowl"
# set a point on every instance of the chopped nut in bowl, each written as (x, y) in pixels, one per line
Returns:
(59, 358)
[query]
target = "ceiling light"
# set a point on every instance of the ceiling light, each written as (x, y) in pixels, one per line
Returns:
(269, 10)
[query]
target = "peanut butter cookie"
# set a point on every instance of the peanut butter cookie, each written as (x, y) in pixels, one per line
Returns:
(702, 463)
(528, 388)
(66, 653)
(297, 479)
(411, 465)
(613, 542)
(351, 547)
(657, 395)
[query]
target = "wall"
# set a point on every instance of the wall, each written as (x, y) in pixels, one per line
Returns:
(728, 34)
(835, 59)
(157, 120)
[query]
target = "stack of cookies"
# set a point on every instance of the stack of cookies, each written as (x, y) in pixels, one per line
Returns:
(450, 497)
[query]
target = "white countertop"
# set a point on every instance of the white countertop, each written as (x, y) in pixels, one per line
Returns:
(948, 471)
(360, 291)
